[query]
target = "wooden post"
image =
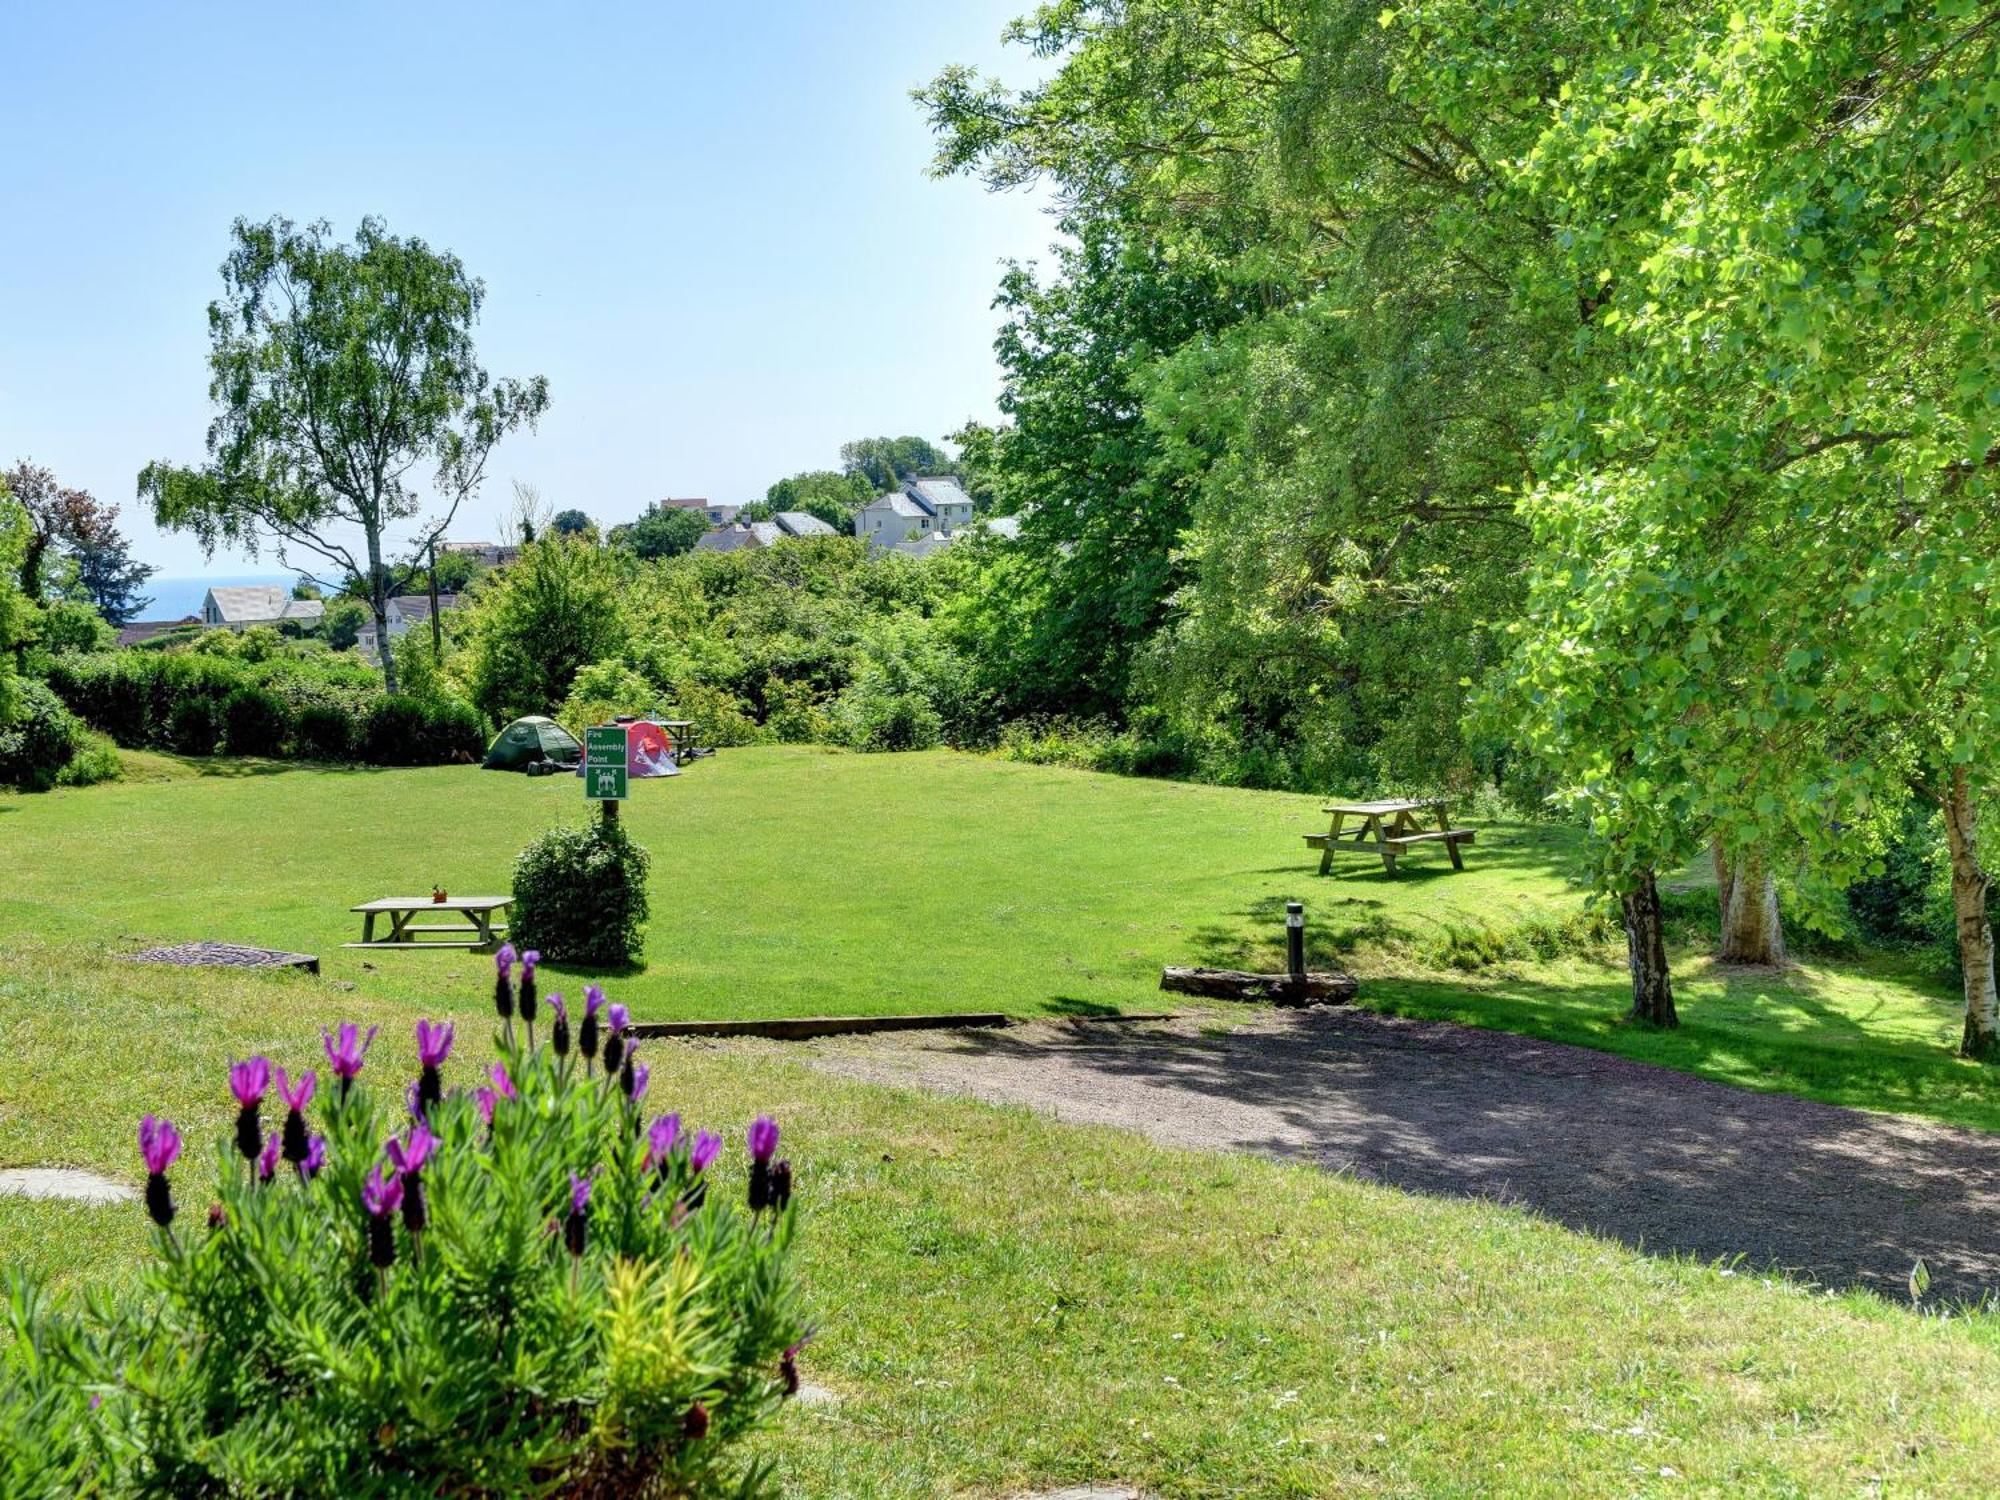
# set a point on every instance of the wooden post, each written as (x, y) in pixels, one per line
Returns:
(1295, 940)
(608, 811)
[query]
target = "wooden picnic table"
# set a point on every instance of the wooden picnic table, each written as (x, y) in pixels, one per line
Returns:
(687, 745)
(478, 930)
(1394, 827)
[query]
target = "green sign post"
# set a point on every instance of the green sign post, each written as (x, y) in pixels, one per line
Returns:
(604, 772)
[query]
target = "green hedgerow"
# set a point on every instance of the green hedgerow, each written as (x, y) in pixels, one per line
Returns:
(523, 1287)
(325, 731)
(41, 740)
(254, 722)
(580, 896)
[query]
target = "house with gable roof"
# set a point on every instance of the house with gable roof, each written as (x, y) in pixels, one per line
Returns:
(922, 508)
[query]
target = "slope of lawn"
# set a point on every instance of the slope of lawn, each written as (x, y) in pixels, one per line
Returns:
(785, 881)
(1008, 1303)
(794, 881)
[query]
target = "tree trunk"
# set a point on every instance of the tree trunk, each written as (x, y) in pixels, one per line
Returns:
(1975, 932)
(378, 599)
(1646, 943)
(1751, 932)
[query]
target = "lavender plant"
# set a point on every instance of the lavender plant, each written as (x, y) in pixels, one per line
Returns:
(524, 1287)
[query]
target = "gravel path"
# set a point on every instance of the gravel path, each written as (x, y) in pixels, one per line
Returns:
(1655, 1158)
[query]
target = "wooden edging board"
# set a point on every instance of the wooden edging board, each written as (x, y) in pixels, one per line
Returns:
(800, 1028)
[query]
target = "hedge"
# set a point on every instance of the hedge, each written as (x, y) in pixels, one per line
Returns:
(192, 702)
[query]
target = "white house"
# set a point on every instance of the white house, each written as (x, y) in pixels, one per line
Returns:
(921, 508)
(408, 610)
(236, 608)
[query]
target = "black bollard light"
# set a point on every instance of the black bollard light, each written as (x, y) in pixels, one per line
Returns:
(1295, 939)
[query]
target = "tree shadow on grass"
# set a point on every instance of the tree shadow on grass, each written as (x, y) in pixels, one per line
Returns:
(1070, 1005)
(1655, 1158)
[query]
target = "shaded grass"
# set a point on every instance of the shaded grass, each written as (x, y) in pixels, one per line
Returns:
(1007, 1302)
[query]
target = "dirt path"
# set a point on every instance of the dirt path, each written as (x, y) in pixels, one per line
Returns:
(1655, 1158)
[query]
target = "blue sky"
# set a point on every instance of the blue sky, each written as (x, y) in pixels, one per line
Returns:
(708, 225)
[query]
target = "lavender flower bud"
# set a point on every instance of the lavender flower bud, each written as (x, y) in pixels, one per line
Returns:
(159, 1199)
(760, 1186)
(695, 1423)
(382, 1241)
(559, 1035)
(586, 1035)
(781, 1185)
(249, 1133)
(614, 1052)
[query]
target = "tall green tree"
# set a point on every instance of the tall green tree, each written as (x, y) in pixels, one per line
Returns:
(886, 462)
(831, 496)
(14, 532)
(339, 373)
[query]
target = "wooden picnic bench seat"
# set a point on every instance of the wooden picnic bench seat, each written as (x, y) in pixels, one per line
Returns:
(1431, 836)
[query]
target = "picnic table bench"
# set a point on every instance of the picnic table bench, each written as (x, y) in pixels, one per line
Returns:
(1393, 824)
(478, 930)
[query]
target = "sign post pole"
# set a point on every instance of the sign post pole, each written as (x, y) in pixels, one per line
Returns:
(604, 769)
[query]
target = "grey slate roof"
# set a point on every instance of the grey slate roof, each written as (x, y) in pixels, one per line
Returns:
(798, 523)
(925, 545)
(898, 503)
(729, 539)
(260, 604)
(936, 493)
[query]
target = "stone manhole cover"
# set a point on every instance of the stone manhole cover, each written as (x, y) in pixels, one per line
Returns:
(227, 955)
(63, 1182)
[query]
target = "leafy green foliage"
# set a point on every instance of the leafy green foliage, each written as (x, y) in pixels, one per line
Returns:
(540, 622)
(661, 531)
(494, 1325)
(336, 371)
(40, 739)
(885, 462)
(580, 896)
(403, 730)
(255, 722)
(832, 496)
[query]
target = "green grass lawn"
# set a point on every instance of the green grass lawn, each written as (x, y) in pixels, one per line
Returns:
(1005, 1302)
(794, 881)
(785, 881)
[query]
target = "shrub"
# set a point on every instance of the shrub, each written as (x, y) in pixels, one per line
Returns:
(522, 1289)
(194, 724)
(404, 731)
(254, 722)
(96, 760)
(324, 732)
(580, 896)
(869, 719)
(40, 741)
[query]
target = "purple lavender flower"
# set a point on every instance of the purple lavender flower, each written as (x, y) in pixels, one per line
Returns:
(160, 1147)
(344, 1053)
(641, 1075)
(382, 1195)
(527, 992)
(576, 1226)
(503, 981)
(586, 1037)
(434, 1039)
(315, 1158)
(559, 1029)
(628, 1078)
(763, 1138)
(660, 1138)
(503, 1086)
(486, 1099)
(618, 1018)
(695, 1423)
(296, 1096)
(409, 1158)
(267, 1164)
(781, 1185)
(788, 1368)
(248, 1081)
(706, 1145)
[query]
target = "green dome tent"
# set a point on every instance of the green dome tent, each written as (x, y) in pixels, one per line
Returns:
(532, 742)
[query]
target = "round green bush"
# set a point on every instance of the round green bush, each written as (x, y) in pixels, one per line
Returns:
(580, 896)
(325, 731)
(254, 722)
(194, 724)
(40, 741)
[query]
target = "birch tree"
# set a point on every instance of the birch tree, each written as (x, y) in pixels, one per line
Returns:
(343, 377)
